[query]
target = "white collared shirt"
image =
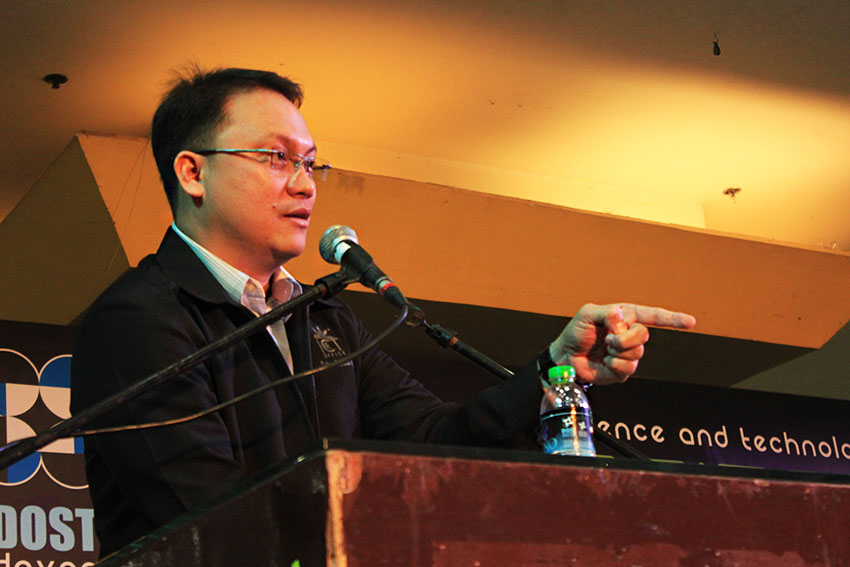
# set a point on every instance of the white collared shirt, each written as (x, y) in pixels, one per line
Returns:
(247, 291)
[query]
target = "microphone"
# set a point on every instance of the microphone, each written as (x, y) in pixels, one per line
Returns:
(339, 245)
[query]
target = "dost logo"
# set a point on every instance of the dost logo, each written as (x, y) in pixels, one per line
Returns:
(31, 400)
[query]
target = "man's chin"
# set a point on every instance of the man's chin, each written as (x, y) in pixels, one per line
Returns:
(284, 255)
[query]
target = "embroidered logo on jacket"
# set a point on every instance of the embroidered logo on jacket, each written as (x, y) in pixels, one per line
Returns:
(329, 345)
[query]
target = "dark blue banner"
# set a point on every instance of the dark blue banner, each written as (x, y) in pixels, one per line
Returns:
(727, 426)
(46, 517)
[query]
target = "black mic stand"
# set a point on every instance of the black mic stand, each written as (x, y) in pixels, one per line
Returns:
(324, 287)
(447, 338)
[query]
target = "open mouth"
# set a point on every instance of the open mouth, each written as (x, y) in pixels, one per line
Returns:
(300, 217)
(299, 214)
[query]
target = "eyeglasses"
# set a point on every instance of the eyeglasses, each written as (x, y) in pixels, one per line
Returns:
(278, 160)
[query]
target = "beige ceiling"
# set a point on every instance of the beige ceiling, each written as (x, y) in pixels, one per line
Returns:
(616, 107)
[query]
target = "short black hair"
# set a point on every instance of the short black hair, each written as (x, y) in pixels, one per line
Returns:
(194, 107)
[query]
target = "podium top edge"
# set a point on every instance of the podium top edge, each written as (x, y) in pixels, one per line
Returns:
(330, 445)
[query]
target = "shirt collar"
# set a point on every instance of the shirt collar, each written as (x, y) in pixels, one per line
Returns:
(239, 285)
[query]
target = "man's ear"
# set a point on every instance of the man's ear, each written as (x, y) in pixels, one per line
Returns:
(187, 167)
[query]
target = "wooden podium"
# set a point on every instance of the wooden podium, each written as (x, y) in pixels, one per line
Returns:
(374, 504)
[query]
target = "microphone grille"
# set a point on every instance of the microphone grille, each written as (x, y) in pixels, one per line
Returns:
(331, 238)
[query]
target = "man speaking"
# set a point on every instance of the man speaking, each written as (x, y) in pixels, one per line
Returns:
(236, 160)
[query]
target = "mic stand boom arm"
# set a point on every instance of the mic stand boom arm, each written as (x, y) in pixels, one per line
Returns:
(324, 287)
(447, 338)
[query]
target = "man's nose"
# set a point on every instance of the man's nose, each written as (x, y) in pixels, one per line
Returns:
(301, 182)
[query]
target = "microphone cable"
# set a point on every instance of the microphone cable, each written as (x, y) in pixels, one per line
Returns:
(275, 383)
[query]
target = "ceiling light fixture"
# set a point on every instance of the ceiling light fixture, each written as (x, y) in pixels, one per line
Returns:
(55, 79)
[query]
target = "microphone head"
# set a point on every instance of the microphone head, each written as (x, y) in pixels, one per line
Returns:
(331, 239)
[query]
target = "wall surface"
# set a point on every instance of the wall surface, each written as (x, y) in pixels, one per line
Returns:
(438, 243)
(58, 247)
(454, 245)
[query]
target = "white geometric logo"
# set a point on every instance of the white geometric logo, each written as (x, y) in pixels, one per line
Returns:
(22, 385)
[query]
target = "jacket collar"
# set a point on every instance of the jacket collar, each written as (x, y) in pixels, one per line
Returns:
(184, 267)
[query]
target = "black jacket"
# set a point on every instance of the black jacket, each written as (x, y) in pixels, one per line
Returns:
(170, 306)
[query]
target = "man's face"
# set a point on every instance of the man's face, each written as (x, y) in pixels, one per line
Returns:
(252, 216)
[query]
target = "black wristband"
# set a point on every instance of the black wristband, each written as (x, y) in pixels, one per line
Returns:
(545, 362)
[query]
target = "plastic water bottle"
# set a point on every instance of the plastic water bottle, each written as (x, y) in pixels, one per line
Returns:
(566, 423)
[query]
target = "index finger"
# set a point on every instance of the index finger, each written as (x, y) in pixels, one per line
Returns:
(658, 317)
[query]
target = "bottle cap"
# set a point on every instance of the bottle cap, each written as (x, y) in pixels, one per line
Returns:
(562, 374)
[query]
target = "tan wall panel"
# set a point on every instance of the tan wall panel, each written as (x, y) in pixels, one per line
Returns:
(437, 243)
(129, 182)
(58, 247)
(454, 245)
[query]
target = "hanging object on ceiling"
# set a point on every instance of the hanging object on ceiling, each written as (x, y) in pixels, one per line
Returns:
(55, 79)
(731, 192)
(716, 46)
